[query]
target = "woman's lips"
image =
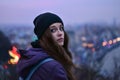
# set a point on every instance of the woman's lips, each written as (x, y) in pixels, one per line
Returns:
(60, 40)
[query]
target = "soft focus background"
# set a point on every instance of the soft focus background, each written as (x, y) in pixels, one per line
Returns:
(93, 27)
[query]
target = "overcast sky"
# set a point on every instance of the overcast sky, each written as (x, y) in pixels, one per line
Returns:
(71, 11)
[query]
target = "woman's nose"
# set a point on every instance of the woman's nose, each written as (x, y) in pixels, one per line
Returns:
(59, 33)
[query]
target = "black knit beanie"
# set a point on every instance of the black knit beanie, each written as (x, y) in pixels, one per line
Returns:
(43, 21)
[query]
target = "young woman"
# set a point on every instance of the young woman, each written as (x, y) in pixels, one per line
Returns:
(52, 43)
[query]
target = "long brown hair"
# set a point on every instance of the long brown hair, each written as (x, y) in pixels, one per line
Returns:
(59, 53)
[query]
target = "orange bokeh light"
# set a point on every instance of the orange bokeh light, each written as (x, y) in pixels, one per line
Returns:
(15, 56)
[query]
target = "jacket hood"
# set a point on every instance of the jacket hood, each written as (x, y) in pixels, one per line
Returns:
(29, 58)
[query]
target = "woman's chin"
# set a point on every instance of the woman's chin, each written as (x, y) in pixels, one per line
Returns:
(61, 43)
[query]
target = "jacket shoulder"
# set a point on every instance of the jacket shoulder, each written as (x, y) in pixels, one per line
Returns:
(51, 70)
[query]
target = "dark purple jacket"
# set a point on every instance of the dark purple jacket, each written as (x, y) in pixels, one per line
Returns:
(51, 70)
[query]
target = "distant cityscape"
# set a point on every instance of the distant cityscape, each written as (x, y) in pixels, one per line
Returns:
(89, 43)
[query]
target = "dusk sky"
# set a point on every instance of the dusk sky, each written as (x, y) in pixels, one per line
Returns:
(71, 11)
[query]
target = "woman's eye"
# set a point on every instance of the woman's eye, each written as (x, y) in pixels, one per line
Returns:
(61, 29)
(52, 30)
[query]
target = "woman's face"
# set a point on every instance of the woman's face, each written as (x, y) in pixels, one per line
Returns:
(57, 32)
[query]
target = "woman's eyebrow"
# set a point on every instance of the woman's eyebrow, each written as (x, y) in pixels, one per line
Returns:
(61, 25)
(52, 26)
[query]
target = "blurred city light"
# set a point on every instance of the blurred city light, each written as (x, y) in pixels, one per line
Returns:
(15, 56)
